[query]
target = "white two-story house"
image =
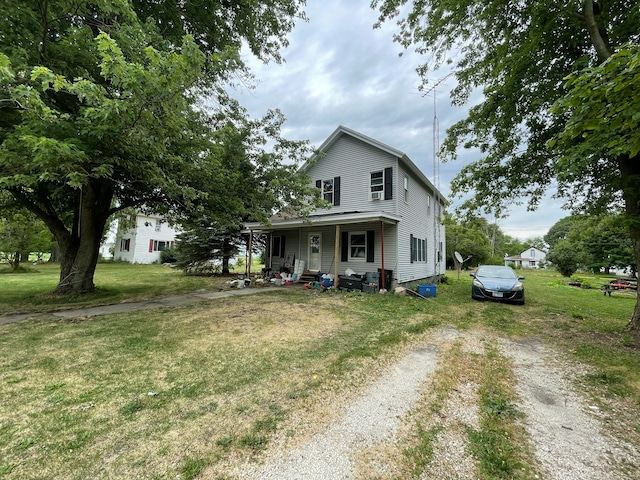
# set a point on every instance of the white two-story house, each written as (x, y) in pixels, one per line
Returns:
(143, 238)
(385, 215)
(532, 257)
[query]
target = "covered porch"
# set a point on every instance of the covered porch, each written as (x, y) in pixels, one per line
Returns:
(360, 241)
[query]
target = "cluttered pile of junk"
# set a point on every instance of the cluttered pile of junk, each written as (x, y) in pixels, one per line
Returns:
(368, 282)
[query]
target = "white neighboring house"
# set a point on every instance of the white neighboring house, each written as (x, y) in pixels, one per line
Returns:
(529, 258)
(143, 243)
(108, 246)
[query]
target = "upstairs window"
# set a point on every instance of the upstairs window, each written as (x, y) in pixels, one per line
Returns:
(533, 253)
(327, 190)
(377, 183)
(330, 190)
(381, 184)
(406, 189)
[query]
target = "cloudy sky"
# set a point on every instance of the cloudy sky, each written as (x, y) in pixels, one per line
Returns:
(340, 71)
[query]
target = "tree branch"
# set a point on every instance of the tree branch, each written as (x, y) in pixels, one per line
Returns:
(598, 40)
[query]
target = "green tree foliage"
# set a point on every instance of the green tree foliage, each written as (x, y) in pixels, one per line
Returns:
(468, 240)
(608, 245)
(599, 242)
(255, 184)
(481, 240)
(519, 54)
(99, 112)
(22, 233)
(564, 228)
(206, 248)
(567, 257)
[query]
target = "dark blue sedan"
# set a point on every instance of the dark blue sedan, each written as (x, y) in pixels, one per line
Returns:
(495, 282)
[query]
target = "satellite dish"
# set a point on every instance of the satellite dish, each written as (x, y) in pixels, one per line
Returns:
(460, 261)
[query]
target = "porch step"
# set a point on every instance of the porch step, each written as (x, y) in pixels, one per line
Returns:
(307, 277)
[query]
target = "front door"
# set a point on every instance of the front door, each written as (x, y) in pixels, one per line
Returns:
(315, 252)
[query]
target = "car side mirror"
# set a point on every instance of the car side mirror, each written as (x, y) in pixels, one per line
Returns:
(472, 275)
(521, 278)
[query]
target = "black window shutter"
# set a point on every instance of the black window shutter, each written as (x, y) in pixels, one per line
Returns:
(282, 239)
(388, 183)
(344, 254)
(336, 191)
(319, 184)
(371, 245)
(411, 246)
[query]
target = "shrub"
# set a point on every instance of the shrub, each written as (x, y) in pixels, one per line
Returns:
(169, 255)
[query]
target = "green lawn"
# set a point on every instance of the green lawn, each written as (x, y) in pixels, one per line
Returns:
(115, 283)
(183, 391)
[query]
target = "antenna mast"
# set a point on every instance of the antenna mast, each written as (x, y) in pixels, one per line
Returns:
(438, 246)
(436, 130)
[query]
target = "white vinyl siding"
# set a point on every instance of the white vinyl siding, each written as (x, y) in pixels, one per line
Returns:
(144, 241)
(346, 159)
(419, 223)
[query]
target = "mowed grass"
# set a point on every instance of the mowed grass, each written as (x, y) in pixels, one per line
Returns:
(115, 282)
(190, 390)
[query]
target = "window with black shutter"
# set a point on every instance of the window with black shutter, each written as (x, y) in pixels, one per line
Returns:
(330, 190)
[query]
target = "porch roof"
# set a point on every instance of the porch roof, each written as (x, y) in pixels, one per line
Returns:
(344, 218)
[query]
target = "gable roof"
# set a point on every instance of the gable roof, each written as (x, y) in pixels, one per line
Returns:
(401, 156)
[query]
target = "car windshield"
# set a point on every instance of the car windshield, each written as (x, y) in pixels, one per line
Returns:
(496, 272)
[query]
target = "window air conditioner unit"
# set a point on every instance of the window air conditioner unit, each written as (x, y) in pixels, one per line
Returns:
(376, 195)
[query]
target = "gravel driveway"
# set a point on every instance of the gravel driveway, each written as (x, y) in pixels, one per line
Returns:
(566, 433)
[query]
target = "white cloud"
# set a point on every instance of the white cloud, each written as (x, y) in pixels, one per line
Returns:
(340, 71)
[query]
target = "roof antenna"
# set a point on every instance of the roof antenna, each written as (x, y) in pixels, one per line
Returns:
(436, 130)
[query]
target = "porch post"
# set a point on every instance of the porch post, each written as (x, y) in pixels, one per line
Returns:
(248, 269)
(270, 251)
(382, 254)
(336, 255)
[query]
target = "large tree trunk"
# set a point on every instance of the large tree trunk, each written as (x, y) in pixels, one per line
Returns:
(55, 254)
(630, 176)
(15, 262)
(226, 257)
(634, 323)
(80, 247)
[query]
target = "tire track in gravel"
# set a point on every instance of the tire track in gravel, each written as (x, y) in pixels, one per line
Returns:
(370, 420)
(567, 440)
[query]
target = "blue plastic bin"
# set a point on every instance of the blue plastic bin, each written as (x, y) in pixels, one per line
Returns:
(427, 289)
